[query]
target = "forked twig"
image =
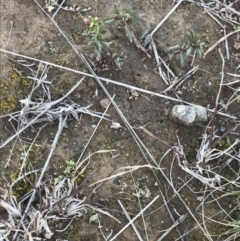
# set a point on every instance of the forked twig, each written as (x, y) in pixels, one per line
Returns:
(134, 218)
(219, 41)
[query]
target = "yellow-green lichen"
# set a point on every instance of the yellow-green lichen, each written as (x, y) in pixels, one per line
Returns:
(10, 90)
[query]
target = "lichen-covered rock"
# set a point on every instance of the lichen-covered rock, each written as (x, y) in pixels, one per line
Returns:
(189, 115)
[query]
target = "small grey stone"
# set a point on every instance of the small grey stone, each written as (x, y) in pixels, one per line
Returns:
(189, 115)
(104, 103)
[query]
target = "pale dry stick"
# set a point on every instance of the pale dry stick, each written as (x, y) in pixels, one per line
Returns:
(142, 211)
(203, 216)
(164, 155)
(181, 80)
(9, 35)
(219, 41)
(166, 66)
(26, 154)
(67, 226)
(59, 7)
(47, 108)
(180, 219)
(139, 203)
(226, 44)
(90, 155)
(193, 57)
(94, 131)
(10, 154)
(214, 18)
(119, 83)
(167, 16)
(185, 183)
(129, 219)
(232, 83)
(158, 63)
(128, 168)
(216, 102)
(224, 29)
(186, 76)
(233, 236)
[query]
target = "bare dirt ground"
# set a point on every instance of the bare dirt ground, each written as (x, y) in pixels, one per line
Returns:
(26, 30)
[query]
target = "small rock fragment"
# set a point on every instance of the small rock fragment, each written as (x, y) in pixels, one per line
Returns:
(189, 115)
(104, 103)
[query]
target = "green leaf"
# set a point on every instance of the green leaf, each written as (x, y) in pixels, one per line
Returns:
(193, 35)
(188, 38)
(175, 47)
(92, 42)
(106, 44)
(182, 60)
(98, 44)
(126, 15)
(116, 10)
(200, 53)
(189, 51)
(119, 61)
(202, 44)
(110, 21)
(96, 55)
(144, 33)
(171, 56)
(136, 18)
(85, 34)
(128, 34)
(147, 40)
(102, 30)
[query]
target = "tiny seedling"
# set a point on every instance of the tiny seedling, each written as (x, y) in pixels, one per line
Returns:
(94, 218)
(192, 43)
(68, 172)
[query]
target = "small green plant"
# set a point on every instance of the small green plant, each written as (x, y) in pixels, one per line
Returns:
(68, 172)
(103, 55)
(224, 144)
(192, 43)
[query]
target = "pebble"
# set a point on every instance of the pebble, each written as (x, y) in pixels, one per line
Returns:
(189, 115)
(104, 103)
